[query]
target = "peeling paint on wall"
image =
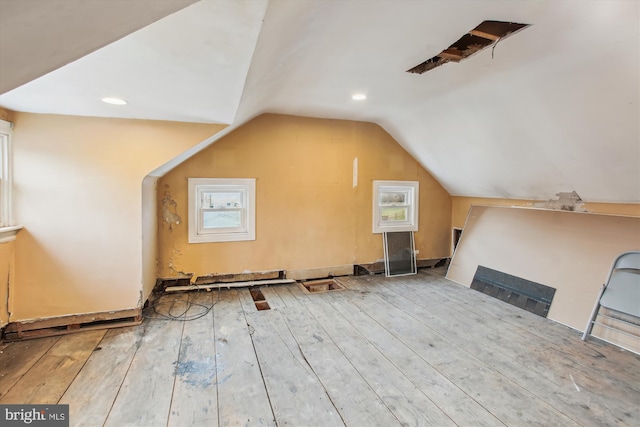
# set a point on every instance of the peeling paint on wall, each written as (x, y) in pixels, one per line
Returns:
(174, 264)
(169, 209)
(565, 202)
(7, 277)
(8, 310)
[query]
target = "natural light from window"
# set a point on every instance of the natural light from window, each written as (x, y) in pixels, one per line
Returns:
(395, 206)
(221, 209)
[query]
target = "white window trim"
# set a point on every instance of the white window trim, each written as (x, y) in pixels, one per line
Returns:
(8, 229)
(197, 234)
(413, 190)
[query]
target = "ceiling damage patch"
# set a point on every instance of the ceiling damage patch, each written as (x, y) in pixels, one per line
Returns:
(565, 202)
(484, 35)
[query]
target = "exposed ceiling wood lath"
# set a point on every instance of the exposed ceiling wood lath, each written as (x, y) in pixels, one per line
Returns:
(481, 37)
(484, 35)
(452, 54)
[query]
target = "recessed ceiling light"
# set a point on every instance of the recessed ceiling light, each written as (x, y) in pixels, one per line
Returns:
(359, 97)
(114, 101)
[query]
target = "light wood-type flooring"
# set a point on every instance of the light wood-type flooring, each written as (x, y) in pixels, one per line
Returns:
(406, 351)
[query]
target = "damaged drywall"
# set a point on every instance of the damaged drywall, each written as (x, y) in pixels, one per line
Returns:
(6, 280)
(174, 264)
(484, 35)
(169, 209)
(565, 202)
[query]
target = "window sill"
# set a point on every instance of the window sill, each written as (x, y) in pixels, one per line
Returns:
(8, 234)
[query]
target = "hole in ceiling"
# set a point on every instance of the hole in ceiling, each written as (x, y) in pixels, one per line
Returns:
(481, 37)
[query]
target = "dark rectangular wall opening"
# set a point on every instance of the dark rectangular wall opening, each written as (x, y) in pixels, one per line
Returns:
(528, 295)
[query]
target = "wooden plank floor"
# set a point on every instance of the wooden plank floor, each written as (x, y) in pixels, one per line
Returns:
(407, 351)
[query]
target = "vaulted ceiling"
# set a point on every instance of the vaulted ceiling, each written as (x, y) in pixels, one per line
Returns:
(553, 108)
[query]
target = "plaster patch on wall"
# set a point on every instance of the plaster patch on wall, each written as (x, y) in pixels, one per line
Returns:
(170, 209)
(174, 264)
(565, 202)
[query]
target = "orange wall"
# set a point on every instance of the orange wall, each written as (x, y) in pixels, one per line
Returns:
(308, 214)
(7, 266)
(7, 259)
(78, 193)
(461, 205)
(6, 115)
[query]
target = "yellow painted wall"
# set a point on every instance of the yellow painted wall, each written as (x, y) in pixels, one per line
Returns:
(6, 115)
(461, 205)
(7, 275)
(308, 214)
(78, 186)
(7, 259)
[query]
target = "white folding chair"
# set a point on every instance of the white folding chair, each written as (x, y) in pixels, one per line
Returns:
(620, 293)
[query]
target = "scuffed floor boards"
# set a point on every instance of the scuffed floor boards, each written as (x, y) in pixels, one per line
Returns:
(414, 350)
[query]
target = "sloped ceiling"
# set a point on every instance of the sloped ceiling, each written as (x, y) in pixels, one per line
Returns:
(39, 36)
(554, 108)
(189, 66)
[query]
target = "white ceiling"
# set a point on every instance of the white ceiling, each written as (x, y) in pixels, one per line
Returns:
(189, 66)
(555, 110)
(38, 36)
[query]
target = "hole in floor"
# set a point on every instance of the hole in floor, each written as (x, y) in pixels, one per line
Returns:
(259, 299)
(262, 305)
(257, 295)
(322, 286)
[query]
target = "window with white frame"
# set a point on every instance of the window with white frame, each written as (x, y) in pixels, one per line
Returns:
(221, 209)
(6, 208)
(395, 206)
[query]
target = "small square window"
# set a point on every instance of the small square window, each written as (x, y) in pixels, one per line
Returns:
(395, 206)
(221, 209)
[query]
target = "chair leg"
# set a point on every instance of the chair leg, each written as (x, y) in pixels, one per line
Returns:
(594, 314)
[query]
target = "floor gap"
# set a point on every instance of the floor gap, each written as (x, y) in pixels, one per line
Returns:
(259, 300)
(325, 285)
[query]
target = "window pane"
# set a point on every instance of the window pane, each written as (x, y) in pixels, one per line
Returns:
(223, 219)
(393, 198)
(217, 200)
(393, 214)
(221, 209)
